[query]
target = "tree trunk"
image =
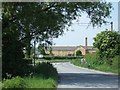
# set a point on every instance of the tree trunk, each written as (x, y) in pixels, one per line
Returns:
(28, 50)
(28, 46)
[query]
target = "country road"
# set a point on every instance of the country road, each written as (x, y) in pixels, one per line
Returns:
(76, 77)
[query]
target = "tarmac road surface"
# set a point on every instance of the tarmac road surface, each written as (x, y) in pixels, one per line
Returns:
(77, 77)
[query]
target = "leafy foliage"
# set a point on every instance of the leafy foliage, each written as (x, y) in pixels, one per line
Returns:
(93, 62)
(45, 69)
(108, 43)
(61, 57)
(40, 24)
(24, 22)
(41, 49)
(93, 59)
(15, 82)
(44, 76)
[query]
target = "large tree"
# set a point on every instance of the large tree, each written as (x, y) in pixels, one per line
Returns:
(108, 43)
(46, 20)
(23, 22)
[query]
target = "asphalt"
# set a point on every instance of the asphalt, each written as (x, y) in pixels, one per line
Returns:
(77, 77)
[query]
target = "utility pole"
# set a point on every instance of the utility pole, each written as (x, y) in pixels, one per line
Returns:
(119, 17)
(34, 52)
(111, 26)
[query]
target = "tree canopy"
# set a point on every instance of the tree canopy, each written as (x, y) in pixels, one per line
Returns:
(108, 43)
(23, 22)
(44, 20)
(41, 49)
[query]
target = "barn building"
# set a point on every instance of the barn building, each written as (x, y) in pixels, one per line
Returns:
(71, 50)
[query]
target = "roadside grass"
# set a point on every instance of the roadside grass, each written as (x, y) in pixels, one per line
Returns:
(92, 63)
(0, 85)
(107, 68)
(44, 75)
(53, 61)
(56, 61)
(40, 82)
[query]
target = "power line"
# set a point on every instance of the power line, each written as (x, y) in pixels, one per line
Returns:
(81, 23)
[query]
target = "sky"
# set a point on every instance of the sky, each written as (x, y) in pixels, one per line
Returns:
(77, 37)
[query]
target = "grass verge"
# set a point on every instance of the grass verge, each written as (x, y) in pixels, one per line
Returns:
(102, 67)
(40, 82)
(53, 61)
(44, 75)
(0, 85)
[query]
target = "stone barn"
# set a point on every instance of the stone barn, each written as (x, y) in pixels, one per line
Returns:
(70, 50)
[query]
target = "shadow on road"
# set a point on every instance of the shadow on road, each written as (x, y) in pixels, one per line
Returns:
(89, 80)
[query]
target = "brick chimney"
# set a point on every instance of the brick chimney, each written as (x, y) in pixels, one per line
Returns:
(85, 45)
(86, 42)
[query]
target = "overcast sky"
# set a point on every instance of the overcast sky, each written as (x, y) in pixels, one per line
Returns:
(77, 37)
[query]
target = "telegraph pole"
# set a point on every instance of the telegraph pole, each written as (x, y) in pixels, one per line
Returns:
(119, 17)
(34, 52)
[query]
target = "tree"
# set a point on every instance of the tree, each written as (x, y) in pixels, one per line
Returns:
(50, 50)
(108, 43)
(24, 22)
(12, 55)
(12, 47)
(41, 49)
(35, 20)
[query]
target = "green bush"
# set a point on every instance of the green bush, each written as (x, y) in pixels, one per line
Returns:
(94, 62)
(0, 85)
(76, 62)
(108, 44)
(17, 68)
(44, 75)
(28, 60)
(15, 82)
(12, 53)
(46, 70)
(116, 62)
(94, 59)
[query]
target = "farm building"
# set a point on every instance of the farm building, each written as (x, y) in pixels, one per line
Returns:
(70, 50)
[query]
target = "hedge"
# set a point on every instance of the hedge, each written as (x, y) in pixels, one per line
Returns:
(61, 57)
(28, 60)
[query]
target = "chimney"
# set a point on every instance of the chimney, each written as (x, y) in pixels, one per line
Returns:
(86, 42)
(86, 45)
